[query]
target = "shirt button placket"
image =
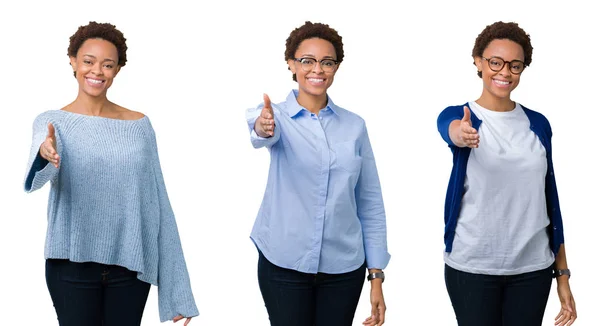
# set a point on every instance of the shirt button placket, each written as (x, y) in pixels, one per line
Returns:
(322, 194)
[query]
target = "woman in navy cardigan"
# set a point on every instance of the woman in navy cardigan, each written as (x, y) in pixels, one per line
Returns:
(504, 233)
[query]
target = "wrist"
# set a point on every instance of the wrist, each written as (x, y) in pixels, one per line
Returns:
(376, 284)
(376, 275)
(562, 275)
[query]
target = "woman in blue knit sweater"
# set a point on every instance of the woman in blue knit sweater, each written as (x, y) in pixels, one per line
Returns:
(111, 230)
(504, 233)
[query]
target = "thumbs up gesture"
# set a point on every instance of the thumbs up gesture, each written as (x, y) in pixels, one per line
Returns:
(265, 123)
(462, 132)
(48, 147)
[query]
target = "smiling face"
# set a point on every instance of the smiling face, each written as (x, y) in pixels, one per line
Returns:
(316, 81)
(499, 84)
(95, 66)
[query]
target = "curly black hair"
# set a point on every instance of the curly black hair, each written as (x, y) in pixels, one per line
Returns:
(502, 30)
(313, 30)
(105, 31)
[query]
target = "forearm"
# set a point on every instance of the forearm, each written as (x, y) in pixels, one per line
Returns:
(561, 258)
(376, 283)
(561, 263)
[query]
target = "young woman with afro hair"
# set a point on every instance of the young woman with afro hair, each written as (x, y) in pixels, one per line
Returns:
(111, 230)
(322, 223)
(504, 231)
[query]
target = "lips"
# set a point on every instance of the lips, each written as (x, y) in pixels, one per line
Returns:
(315, 81)
(94, 82)
(501, 83)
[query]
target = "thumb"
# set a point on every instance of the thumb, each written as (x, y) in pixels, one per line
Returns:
(50, 130)
(467, 115)
(267, 101)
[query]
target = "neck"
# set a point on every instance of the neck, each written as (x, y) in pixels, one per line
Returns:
(89, 105)
(494, 103)
(312, 103)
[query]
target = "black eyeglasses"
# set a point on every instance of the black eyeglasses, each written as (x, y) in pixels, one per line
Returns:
(307, 64)
(496, 64)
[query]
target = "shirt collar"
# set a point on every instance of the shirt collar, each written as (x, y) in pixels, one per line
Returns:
(293, 108)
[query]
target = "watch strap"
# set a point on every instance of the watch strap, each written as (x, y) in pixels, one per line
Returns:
(372, 276)
(561, 272)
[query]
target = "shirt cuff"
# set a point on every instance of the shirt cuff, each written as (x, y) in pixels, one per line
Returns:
(377, 258)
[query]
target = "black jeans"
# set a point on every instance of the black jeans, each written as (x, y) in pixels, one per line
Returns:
(94, 294)
(491, 300)
(293, 298)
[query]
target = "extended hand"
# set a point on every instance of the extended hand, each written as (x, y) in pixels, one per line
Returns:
(48, 147)
(463, 134)
(265, 123)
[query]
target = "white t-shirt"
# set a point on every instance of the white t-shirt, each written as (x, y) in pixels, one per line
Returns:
(501, 228)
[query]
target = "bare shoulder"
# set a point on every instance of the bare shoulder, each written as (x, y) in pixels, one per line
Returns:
(127, 114)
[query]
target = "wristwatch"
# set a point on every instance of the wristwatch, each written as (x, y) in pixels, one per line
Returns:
(561, 272)
(372, 276)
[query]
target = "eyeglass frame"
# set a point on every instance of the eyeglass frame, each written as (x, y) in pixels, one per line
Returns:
(505, 62)
(336, 62)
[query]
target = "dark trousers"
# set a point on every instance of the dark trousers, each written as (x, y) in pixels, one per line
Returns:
(293, 298)
(94, 294)
(492, 300)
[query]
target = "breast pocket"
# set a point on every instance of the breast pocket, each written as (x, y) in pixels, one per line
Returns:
(346, 157)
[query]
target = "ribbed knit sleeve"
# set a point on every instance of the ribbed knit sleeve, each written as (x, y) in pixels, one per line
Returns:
(39, 170)
(174, 289)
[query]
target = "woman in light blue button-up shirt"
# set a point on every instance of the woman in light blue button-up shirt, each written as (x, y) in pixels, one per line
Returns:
(322, 220)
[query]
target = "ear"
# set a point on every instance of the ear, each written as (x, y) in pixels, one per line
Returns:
(73, 63)
(292, 65)
(477, 61)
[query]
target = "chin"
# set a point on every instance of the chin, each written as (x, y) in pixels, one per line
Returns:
(314, 91)
(93, 93)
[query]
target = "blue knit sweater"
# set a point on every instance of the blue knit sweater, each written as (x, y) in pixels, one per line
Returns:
(108, 202)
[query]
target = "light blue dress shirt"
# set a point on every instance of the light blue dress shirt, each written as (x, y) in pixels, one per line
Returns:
(322, 210)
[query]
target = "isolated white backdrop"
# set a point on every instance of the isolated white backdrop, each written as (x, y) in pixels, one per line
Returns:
(194, 69)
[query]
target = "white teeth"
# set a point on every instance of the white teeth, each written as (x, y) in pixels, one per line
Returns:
(94, 81)
(316, 80)
(501, 82)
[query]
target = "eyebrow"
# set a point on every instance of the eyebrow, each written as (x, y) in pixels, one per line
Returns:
(313, 56)
(91, 56)
(496, 56)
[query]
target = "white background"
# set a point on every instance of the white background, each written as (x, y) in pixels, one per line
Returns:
(195, 69)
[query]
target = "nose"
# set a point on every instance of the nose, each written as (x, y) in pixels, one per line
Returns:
(505, 71)
(97, 69)
(317, 68)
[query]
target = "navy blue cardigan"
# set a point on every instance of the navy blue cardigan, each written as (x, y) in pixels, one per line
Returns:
(541, 127)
